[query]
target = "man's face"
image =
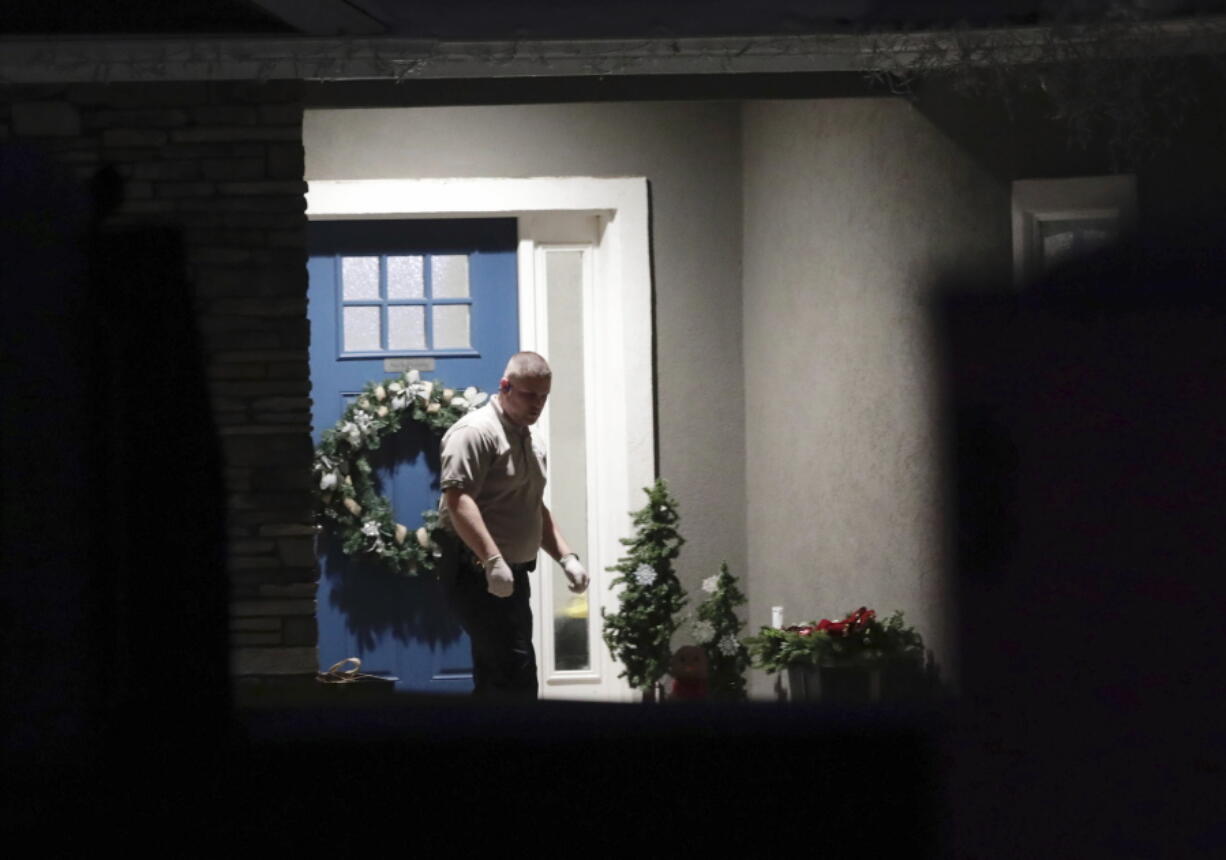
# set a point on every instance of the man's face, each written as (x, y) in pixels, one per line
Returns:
(523, 400)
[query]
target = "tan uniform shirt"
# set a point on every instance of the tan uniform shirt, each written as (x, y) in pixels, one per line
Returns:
(502, 466)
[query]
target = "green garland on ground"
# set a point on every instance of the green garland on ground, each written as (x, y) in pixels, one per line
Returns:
(859, 638)
(718, 632)
(639, 634)
(345, 489)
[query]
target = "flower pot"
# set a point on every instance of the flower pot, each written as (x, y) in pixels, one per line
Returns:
(839, 684)
(653, 694)
(857, 683)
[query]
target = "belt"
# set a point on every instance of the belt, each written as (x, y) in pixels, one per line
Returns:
(471, 559)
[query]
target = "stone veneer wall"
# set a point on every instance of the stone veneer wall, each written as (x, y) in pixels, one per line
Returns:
(225, 162)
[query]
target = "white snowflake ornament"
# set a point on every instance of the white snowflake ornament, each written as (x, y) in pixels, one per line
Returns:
(644, 575)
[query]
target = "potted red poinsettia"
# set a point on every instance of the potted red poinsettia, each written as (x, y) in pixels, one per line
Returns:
(856, 658)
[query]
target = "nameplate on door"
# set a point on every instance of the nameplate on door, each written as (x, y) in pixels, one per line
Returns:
(400, 365)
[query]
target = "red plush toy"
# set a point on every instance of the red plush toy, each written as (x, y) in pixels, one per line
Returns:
(689, 670)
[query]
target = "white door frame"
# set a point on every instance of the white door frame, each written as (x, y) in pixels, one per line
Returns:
(621, 437)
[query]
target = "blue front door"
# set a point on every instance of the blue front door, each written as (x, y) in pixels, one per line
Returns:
(438, 296)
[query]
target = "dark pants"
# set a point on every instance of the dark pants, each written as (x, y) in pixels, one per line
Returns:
(499, 628)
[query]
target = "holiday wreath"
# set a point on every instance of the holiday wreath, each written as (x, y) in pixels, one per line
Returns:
(348, 500)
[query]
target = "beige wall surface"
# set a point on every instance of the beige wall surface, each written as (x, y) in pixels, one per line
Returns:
(690, 153)
(854, 210)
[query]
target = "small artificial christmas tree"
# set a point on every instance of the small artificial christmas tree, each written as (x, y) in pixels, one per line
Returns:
(717, 631)
(639, 634)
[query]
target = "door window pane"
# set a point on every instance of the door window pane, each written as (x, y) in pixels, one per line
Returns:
(451, 327)
(417, 319)
(567, 446)
(361, 329)
(406, 327)
(404, 278)
(359, 278)
(449, 276)
(571, 651)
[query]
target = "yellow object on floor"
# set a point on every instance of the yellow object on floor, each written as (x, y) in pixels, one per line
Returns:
(577, 608)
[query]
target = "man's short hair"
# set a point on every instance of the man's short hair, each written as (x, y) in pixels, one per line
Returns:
(527, 365)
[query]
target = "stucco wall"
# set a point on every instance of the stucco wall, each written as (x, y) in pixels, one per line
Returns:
(690, 154)
(854, 210)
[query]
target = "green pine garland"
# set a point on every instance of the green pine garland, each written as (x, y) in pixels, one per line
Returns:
(639, 634)
(860, 638)
(718, 631)
(345, 490)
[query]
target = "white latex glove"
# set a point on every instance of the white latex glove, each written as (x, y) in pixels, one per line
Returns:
(498, 576)
(575, 572)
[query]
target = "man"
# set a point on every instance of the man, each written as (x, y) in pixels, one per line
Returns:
(493, 478)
